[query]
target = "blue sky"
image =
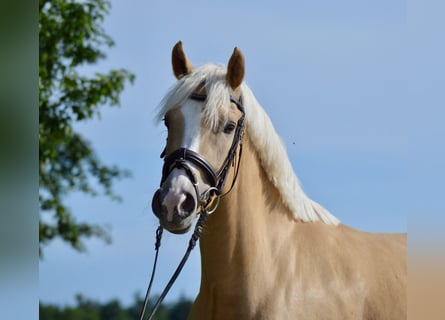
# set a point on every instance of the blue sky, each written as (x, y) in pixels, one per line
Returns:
(354, 88)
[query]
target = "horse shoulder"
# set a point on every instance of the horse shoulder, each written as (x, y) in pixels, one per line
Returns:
(345, 273)
(378, 261)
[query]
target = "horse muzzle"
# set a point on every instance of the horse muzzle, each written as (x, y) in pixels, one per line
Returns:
(175, 204)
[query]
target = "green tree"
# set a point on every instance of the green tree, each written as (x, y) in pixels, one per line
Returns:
(49, 312)
(71, 37)
(181, 309)
(87, 309)
(113, 311)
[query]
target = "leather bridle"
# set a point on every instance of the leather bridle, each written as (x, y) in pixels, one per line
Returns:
(183, 157)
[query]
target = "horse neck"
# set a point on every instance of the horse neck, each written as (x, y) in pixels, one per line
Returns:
(241, 233)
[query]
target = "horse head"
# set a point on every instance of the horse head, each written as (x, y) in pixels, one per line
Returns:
(204, 116)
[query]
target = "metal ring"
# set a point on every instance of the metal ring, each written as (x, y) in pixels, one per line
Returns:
(206, 199)
(218, 198)
(205, 196)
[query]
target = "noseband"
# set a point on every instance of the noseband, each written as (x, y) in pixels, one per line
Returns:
(183, 157)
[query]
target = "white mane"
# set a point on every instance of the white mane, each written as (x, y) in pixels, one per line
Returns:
(268, 144)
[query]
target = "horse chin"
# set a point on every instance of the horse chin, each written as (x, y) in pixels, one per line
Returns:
(180, 231)
(178, 227)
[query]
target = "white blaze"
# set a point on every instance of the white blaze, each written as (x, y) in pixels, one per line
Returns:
(179, 181)
(191, 111)
(175, 196)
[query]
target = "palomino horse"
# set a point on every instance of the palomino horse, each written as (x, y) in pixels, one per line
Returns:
(268, 251)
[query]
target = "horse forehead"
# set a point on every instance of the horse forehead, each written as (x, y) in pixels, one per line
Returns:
(190, 114)
(191, 110)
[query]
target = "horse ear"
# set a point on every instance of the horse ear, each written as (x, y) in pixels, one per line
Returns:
(236, 69)
(181, 64)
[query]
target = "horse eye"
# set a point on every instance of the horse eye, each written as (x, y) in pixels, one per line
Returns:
(229, 127)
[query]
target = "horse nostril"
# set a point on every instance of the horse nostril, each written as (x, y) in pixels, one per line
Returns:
(189, 204)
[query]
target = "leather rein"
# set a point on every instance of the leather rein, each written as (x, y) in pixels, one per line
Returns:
(181, 159)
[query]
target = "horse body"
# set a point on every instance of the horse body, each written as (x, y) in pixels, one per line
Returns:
(268, 251)
(258, 263)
